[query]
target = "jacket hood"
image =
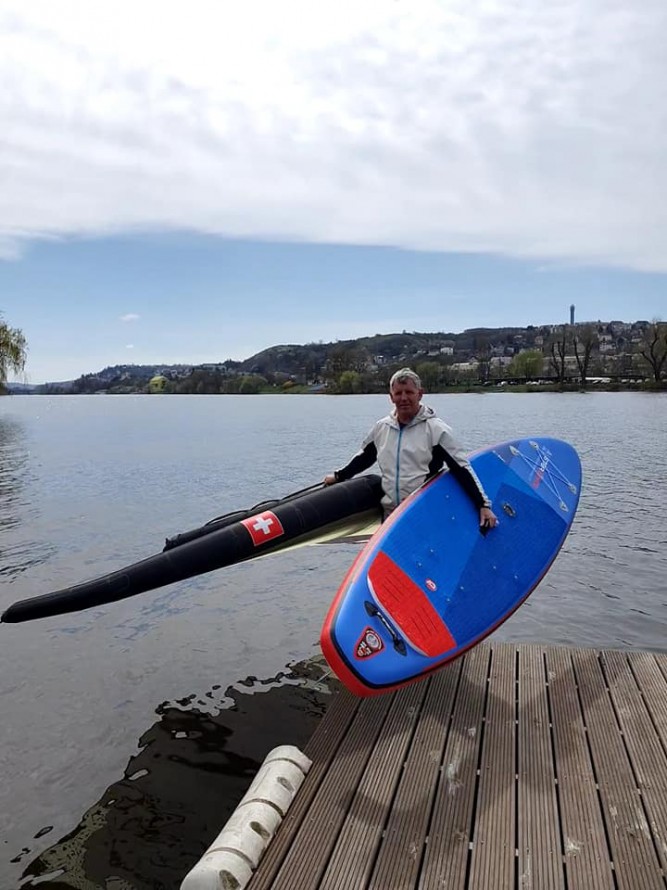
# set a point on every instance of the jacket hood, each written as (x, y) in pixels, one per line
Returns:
(424, 413)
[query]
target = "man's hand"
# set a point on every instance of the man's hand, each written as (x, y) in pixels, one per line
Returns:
(329, 479)
(487, 518)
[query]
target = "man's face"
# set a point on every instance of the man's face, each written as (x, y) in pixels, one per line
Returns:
(406, 397)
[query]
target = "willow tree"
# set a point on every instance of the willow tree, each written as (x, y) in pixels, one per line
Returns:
(430, 374)
(528, 364)
(13, 352)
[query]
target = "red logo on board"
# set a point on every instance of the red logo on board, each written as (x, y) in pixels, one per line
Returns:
(538, 472)
(369, 644)
(263, 527)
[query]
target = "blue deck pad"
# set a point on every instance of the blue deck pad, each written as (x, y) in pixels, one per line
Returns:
(505, 565)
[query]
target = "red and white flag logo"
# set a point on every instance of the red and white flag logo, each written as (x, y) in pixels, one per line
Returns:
(263, 527)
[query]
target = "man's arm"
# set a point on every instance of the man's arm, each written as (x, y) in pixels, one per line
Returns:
(361, 461)
(462, 472)
(448, 451)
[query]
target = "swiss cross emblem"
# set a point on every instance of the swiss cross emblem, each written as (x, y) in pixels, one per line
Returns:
(263, 527)
(369, 644)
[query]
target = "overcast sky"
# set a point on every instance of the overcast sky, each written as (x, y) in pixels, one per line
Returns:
(191, 182)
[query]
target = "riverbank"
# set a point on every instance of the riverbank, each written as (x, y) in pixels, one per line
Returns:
(511, 386)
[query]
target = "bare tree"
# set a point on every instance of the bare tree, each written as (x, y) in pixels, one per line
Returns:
(653, 348)
(341, 359)
(482, 351)
(557, 345)
(584, 340)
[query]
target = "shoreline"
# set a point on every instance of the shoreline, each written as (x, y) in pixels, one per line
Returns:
(479, 388)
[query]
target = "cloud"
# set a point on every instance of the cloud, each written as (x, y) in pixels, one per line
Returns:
(10, 249)
(129, 346)
(523, 129)
(131, 316)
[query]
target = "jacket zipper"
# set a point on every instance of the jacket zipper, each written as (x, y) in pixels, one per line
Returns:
(398, 461)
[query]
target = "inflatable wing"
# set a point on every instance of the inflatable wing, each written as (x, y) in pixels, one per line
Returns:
(298, 518)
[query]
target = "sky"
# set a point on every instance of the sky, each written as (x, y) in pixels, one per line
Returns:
(196, 182)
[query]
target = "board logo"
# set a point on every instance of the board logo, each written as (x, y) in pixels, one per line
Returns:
(263, 527)
(540, 469)
(370, 643)
(432, 586)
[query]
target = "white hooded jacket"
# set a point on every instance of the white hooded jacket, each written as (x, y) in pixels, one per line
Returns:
(409, 454)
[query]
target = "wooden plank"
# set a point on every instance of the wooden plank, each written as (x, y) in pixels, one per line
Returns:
(323, 743)
(647, 756)
(358, 840)
(653, 685)
(321, 749)
(587, 855)
(450, 829)
(400, 854)
(661, 660)
(539, 843)
(634, 857)
(309, 851)
(493, 859)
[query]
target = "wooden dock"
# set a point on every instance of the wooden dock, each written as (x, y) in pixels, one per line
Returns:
(518, 767)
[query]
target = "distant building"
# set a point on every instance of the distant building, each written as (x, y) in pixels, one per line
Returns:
(572, 314)
(214, 366)
(465, 367)
(500, 361)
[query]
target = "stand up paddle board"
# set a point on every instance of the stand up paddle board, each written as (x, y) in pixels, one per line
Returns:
(430, 584)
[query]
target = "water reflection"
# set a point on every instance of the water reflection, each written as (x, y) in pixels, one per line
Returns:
(16, 511)
(13, 461)
(194, 765)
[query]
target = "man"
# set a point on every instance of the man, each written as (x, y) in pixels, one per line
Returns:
(410, 445)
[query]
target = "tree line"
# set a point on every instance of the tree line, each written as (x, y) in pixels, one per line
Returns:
(567, 355)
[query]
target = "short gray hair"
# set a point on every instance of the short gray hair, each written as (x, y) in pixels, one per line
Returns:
(405, 375)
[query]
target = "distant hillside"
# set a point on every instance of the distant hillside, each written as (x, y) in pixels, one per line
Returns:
(366, 363)
(384, 349)
(20, 388)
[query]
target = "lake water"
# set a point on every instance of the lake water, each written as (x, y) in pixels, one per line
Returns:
(117, 725)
